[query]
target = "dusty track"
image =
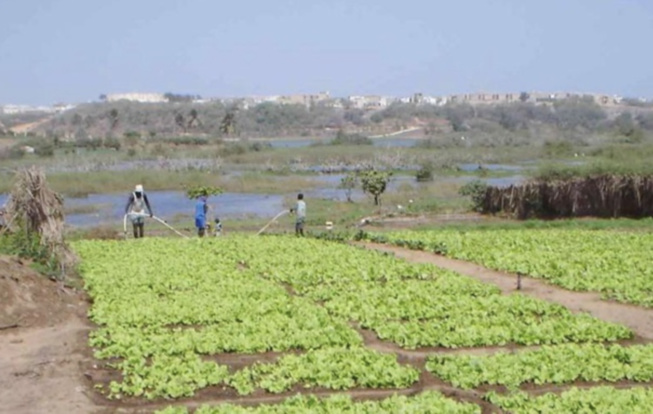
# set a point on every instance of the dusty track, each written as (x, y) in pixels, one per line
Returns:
(40, 370)
(639, 319)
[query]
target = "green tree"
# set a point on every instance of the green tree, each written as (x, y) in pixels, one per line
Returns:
(374, 182)
(202, 191)
(348, 183)
(524, 96)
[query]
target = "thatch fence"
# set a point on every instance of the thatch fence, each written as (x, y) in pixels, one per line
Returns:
(36, 210)
(597, 196)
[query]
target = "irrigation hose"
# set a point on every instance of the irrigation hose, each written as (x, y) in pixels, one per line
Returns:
(124, 224)
(272, 221)
(169, 226)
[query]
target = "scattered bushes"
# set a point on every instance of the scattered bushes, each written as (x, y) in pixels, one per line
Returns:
(343, 138)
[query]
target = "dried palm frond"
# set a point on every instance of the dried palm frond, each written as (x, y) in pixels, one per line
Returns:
(36, 209)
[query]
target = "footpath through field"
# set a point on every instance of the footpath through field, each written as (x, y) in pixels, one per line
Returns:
(639, 319)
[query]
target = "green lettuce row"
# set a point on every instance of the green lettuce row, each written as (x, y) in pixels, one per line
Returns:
(332, 368)
(230, 309)
(560, 364)
(166, 376)
(604, 400)
(444, 309)
(416, 316)
(497, 331)
(616, 264)
(279, 332)
(429, 402)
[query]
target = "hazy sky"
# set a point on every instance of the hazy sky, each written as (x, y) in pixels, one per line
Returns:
(74, 50)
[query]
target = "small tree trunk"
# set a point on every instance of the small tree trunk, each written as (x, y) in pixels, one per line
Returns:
(376, 199)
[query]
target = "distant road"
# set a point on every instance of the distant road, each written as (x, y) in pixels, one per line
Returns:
(25, 128)
(392, 134)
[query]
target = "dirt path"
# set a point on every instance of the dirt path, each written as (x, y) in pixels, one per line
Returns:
(40, 370)
(639, 319)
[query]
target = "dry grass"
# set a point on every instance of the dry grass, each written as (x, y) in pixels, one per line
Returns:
(36, 209)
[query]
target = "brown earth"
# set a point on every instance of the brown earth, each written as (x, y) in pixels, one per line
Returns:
(28, 299)
(639, 319)
(43, 336)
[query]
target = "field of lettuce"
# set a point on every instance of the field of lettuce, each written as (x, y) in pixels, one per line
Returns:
(616, 264)
(255, 317)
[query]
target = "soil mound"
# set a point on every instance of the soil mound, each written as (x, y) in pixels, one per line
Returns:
(28, 299)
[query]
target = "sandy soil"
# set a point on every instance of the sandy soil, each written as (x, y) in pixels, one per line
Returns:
(43, 336)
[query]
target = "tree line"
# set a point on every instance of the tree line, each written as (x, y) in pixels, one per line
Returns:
(269, 120)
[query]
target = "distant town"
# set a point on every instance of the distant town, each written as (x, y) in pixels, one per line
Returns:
(365, 102)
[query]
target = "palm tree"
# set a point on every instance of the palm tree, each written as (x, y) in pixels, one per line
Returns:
(113, 117)
(228, 125)
(179, 120)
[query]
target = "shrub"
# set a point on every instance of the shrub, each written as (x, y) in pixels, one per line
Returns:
(425, 173)
(343, 138)
(476, 190)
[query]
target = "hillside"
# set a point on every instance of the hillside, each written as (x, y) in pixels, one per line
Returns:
(512, 124)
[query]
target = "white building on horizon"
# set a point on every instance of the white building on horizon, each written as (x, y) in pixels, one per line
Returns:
(137, 97)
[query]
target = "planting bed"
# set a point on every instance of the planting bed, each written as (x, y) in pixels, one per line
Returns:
(196, 325)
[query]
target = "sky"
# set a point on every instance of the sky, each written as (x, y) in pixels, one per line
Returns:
(74, 50)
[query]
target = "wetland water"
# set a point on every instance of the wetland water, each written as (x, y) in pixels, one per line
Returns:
(99, 209)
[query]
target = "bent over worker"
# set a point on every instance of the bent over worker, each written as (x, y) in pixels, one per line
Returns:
(135, 209)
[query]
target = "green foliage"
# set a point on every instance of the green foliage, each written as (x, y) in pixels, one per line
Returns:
(349, 183)
(613, 263)
(111, 142)
(425, 172)
(604, 399)
(343, 138)
(374, 182)
(44, 149)
(558, 149)
(145, 313)
(560, 364)
(552, 172)
(202, 191)
(332, 368)
(475, 190)
(625, 124)
(421, 305)
(28, 246)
